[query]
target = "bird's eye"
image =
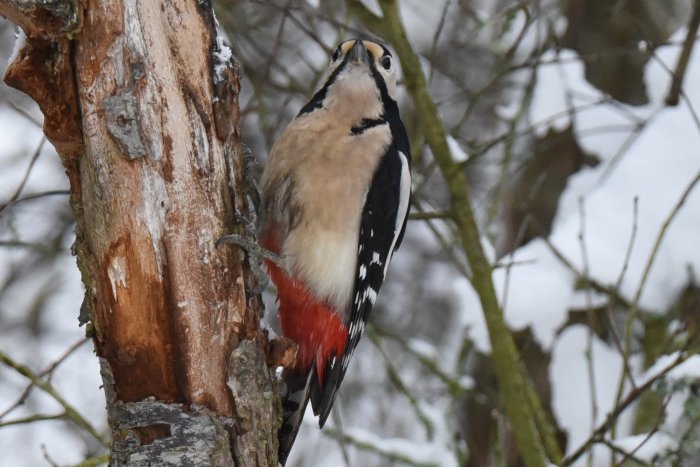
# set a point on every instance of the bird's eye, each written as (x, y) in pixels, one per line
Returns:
(386, 62)
(336, 55)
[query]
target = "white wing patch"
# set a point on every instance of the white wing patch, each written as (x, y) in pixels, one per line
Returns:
(404, 197)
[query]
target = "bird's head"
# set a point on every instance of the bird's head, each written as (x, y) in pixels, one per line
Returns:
(361, 82)
(354, 58)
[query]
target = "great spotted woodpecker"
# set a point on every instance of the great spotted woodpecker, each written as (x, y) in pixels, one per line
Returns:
(335, 198)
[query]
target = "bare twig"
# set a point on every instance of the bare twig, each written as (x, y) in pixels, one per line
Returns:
(32, 419)
(95, 461)
(48, 370)
(681, 92)
(70, 412)
(625, 264)
(338, 422)
(396, 380)
(627, 456)
(32, 161)
(424, 216)
(597, 434)
(634, 306)
(590, 370)
(396, 458)
(453, 385)
(34, 196)
(682, 65)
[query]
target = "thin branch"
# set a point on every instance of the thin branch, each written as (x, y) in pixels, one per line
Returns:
(447, 245)
(682, 94)
(338, 422)
(71, 413)
(662, 233)
(396, 380)
(630, 244)
(634, 306)
(621, 277)
(590, 370)
(388, 454)
(23, 397)
(597, 434)
(595, 285)
(26, 114)
(95, 461)
(33, 160)
(453, 385)
(627, 455)
(34, 196)
(32, 419)
(425, 216)
(684, 58)
(28, 245)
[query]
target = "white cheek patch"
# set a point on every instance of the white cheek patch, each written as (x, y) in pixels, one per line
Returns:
(390, 81)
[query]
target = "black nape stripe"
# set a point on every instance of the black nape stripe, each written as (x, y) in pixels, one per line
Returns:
(366, 124)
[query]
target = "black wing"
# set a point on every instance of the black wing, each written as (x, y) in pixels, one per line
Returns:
(380, 235)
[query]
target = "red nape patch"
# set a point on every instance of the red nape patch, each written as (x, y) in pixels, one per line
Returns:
(315, 326)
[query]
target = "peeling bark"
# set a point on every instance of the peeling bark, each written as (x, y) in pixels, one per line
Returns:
(253, 393)
(141, 101)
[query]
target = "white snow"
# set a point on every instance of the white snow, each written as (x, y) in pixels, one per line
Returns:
(571, 385)
(690, 368)
(539, 289)
(646, 446)
(432, 453)
(222, 54)
(456, 150)
(20, 41)
(423, 348)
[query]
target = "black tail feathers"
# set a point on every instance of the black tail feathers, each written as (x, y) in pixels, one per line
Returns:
(296, 398)
(300, 387)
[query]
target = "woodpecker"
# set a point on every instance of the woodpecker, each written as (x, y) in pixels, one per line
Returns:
(334, 203)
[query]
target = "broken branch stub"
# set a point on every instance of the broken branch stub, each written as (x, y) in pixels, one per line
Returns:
(47, 19)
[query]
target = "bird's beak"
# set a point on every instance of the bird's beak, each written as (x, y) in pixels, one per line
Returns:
(358, 53)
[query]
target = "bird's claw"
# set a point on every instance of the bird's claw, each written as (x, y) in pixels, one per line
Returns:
(256, 255)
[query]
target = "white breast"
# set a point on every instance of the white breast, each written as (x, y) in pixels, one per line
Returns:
(332, 183)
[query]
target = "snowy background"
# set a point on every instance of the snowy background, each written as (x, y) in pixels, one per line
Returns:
(615, 260)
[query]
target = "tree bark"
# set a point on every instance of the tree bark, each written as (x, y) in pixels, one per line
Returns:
(140, 100)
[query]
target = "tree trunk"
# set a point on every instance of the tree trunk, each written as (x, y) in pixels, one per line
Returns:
(141, 101)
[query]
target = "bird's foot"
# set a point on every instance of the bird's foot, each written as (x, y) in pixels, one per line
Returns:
(256, 255)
